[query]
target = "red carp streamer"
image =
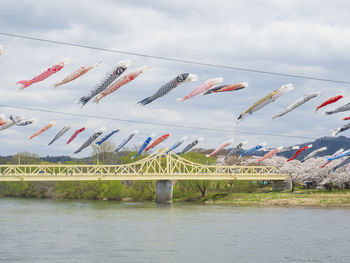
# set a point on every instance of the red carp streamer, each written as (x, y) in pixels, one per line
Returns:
(299, 151)
(329, 101)
(346, 118)
(42, 130)
(158, 141)
(44, 75)
(75, 134)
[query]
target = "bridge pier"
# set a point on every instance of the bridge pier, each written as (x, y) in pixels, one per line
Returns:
(164, 191)
(281, 185)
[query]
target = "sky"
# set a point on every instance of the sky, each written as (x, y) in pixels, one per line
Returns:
(309, 38)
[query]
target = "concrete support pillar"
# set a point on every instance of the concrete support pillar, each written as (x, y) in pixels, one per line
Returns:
(164, 191)
(281, 185)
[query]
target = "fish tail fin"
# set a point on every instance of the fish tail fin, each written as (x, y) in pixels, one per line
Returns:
(55, 85)
(145, 101)
(83, 100)
(23, 83)
(180, 99)
(207, 92)
(97, 99)
(275, 116)
(327, 113)
(208, 155)
(333, 133)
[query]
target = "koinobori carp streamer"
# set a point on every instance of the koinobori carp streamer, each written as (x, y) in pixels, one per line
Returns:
(334, 155)
(346, 161)
(144, 145)
(10, 122)
(271, 97)
(74, 75)
(219, 148)
(120, 82)
(177, 144)
(227, 87)
(191, 145)
(107, 137)
(329, 101)
(166, 88)
(43, 129)
(299, 152)
(44, 75)
(270, 154)
(26, 122)
(158, 141)
(202, 88)
(235, 150)
(253, 149)
(75, 134)
(340, 129)
(91, 139)
(342, 108)
(126, 140)
(338, 156)
(313, 153)
(106, 81)
(297, 103)
(60, 133)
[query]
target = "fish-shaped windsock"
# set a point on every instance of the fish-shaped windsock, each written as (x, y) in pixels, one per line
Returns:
(191, 145)
(299, 151)
(126, 140)
(2, 50)
(346, 118)
(329, 101)
(202, 88)
(26, 122)
(3, 119)
(267, 100)
(74, 75)
(313, 153)
(290, 148)
(177, 144)
(107, 137)
(120, 82)
(270, 154)
(166, 88)
(75, 134)
(346, 161)
(235, 150)
(341, 155)
(10, 122)
(60, 133)
(340, 129)
(227, 87)
(297, 103)
(44, 75)
(334, 155)
(345, 107)
(253, 149)
(106, 81)
(90, 140)
(144, 145)
(222, 146)
(158, 141)
(43, 129)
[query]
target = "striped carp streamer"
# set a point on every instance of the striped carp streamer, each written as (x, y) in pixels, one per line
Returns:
(126, 140)
(75, 134)
(340, 129)
(253, 149)
(106, 81)
(227, 87)
(191, 145)
(329, 101)
(107, 137)
(120, 82)
(290, 148)
(297, 103)
(26, 122)
(90, 140)
(222, 146)
(270, 154)
(44, 75)
(313, 153)
(2, 50)
(299, 152)
(158, 141)
(10, 122)
(144, 145)
(166, 88)
(346, 161)
(177, 144)
(60, 133)
(334, 155)
(43, 129)
(202, 88)
(345, 107)
(74, 75)
(271, 97)
(235, 150)
(338, 156)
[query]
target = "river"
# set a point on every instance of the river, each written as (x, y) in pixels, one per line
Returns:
(100, 231)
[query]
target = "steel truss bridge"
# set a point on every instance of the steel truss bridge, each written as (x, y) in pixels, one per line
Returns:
(154, 167)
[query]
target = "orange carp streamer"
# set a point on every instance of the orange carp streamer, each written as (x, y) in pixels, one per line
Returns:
(42, 130)
(158, 141)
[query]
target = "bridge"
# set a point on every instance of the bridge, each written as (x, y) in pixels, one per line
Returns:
(160, 167)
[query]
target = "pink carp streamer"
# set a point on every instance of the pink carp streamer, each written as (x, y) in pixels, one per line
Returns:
(121, 82)
(202, 88)
(76, 74)
(75, 134)
(222, 146)
(43, 129)
(44, 75)
(270, 153)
